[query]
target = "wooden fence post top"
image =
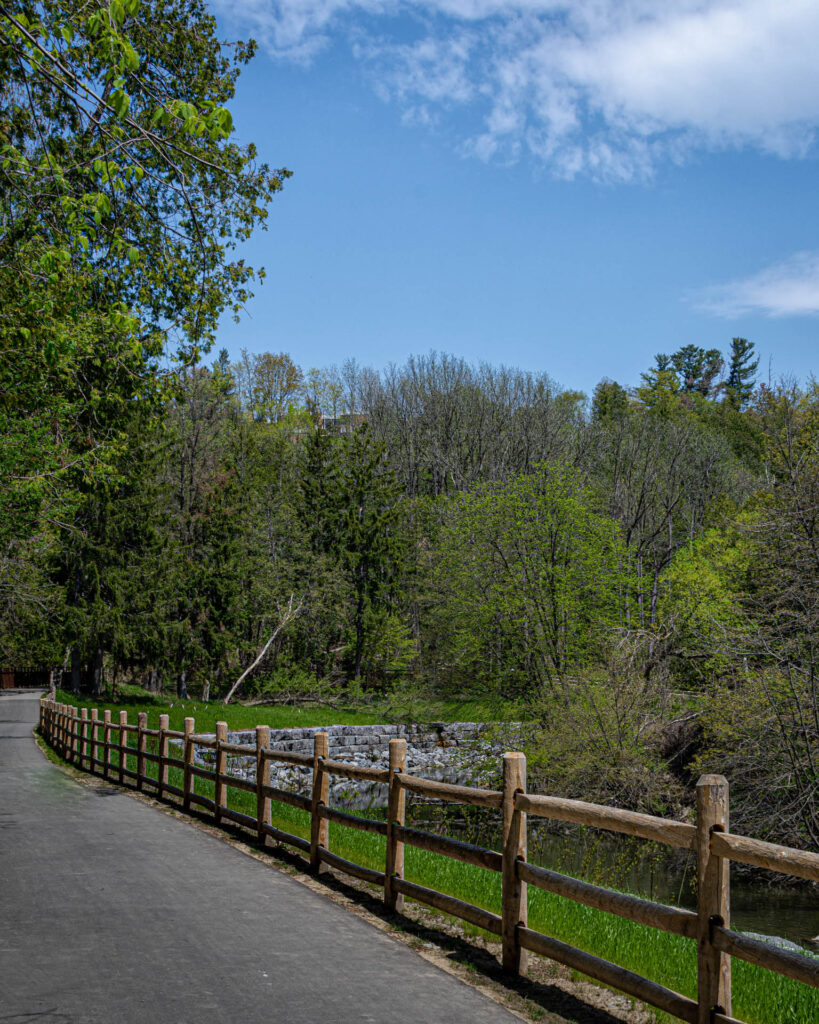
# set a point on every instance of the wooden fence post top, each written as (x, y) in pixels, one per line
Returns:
(106, 715)
(262, 735)
(708, 781)
(95, 715)
(84, 713)
(188, 726)
(123, 718)
(163, 721)
(221, 731)
(142, 719)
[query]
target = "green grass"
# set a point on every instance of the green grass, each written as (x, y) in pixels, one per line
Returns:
(759, 996)
(135, 700)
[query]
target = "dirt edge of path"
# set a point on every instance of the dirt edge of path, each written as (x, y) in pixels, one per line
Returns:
(549, 994)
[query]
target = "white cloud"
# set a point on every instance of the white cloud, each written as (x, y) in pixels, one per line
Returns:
(602, 87)
(789, 288)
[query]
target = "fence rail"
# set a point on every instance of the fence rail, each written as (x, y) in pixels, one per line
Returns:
(75, 735)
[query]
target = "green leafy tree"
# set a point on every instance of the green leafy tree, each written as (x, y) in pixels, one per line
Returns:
(121, 195)
(530, 573)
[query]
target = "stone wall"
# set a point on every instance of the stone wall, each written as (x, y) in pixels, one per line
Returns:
(452, 752)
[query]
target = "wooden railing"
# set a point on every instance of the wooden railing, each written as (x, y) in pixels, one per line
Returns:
(91, 743)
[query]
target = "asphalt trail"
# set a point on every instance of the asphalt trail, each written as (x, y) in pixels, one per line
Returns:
(112, 912)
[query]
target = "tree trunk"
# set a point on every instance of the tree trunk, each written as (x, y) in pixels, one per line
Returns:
(96, 679)
(75, 671)
(181, 686)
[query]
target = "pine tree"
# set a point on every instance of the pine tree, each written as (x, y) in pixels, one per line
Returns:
(697, 368)
(742, 369)
(369, 532)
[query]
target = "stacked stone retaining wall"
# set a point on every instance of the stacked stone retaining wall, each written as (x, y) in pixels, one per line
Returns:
(448, 751)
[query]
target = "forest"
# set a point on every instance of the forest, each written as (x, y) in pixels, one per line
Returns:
(634, 571)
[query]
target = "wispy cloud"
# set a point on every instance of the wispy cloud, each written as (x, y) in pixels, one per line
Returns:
(789, 288)
(599, 87)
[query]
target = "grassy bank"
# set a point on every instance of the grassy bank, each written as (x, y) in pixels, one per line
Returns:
(135, 700)
(760, 997)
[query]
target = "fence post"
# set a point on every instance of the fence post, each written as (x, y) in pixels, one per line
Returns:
(188, 783)
(75, 735)
(319, 827)
(262, 780)
(514, 907)
(123, 743)
(64, 730)
(84, 735)
(162, 750)
(396, 810)
(106, 743)
(142, 725)
(95, 738)
(713, 899)
(220, 790)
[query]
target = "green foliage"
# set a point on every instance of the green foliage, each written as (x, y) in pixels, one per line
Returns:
(700, 609)
(600, 745)
(741, 372)
(761, 733)
(697, 369)
(121, 195)
(661, 387)
(529, 573)
(610, 400)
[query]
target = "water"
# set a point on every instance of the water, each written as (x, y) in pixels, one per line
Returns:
(650, 870)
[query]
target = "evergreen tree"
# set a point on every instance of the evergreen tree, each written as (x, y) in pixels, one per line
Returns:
(697, 368)
(609, 401)
(369, 534)
(660, 389)
(742, 369)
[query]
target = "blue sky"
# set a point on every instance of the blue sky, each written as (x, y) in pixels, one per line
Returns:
(568, 187)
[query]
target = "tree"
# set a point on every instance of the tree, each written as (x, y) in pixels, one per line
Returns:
(530, 574)
(275, 381)
(121, 194)
(356, 509)
(759, 616)
(697, 369)
(117, 157)
(661, 387)
(742, 369)
(609, 401)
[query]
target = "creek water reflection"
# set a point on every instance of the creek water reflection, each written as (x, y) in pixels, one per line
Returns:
(646, 869)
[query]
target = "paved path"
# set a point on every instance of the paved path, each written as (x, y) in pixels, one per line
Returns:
(113, 912)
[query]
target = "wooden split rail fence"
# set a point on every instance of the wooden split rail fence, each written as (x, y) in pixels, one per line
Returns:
(90, 742)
